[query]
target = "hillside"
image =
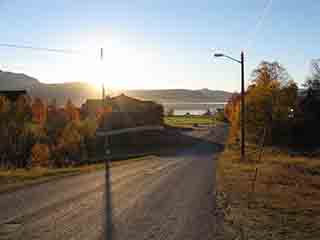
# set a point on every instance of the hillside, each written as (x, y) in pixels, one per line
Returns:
(181, 95)
(10, 81)
(78, 92)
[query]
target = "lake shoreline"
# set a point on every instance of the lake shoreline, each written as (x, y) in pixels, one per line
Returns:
(195, 108)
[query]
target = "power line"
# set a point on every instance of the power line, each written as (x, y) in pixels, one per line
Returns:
(257, 27)
(261, 19)
(63, 51)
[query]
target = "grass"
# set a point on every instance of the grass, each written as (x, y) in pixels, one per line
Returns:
(11, 180)
(285, 203)
(188, 121)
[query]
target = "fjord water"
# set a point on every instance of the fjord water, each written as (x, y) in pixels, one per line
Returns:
(193, 108)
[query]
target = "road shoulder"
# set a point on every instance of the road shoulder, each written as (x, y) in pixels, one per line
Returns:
(22, 178)
(279, 202)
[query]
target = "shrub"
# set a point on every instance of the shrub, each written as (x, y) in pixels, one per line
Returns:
(40, 155)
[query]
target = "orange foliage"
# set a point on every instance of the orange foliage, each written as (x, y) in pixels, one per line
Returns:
(231, 106)
(232, 111)
(4, 105)
(39, 111)
(40, 154)
(73, 113)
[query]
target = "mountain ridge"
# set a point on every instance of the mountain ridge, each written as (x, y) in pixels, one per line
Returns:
(78, 92)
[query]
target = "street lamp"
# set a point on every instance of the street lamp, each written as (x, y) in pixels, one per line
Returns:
(241, 61)
(218, 55)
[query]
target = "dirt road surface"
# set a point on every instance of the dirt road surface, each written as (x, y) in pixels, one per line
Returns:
(161, 197)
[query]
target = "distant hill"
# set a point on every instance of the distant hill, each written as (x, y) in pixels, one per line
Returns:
(78, 92)
(181, 95)
(10, 81)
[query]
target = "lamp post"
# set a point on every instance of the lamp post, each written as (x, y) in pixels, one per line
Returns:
(241, 61)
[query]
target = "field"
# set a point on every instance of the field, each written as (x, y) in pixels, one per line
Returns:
(282, 203)
(188, 121)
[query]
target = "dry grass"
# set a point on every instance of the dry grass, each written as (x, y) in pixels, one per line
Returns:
(18, 175)
(11, 180)
(286, 201)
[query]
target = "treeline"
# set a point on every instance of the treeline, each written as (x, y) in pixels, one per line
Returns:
(276, 111)
(33, 133)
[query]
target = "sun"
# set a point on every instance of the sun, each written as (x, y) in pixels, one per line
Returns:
(112, 70)
(123, 65)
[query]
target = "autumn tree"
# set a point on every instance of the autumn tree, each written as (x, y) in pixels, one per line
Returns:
(40, 155)
(16, 131)
(307, 129)
(269, 102)
(20, 117)
(72, 111)
(69, 144)
(39, 111)
(89, 145)
(57, 120)
(232, 113)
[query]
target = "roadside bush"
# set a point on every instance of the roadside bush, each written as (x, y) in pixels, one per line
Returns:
(40, 155)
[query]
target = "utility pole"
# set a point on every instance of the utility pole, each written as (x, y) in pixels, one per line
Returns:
(242, 109)
(103, 92)
(108, 199)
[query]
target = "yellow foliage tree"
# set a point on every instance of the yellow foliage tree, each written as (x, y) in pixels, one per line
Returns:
(70, 140)
(269, 101)
(232, 111)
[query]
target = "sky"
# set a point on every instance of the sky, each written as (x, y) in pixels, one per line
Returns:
(159, 43)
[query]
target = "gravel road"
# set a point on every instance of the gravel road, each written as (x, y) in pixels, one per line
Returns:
(161, 197)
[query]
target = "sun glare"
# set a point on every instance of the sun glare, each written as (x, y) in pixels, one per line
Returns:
(116, 69)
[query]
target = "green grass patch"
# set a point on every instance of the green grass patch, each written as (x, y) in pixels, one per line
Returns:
(188, 121)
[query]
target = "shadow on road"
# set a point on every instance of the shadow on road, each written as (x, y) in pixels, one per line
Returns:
(170, 142)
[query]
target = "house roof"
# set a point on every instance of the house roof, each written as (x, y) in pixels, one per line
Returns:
(119, 103)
